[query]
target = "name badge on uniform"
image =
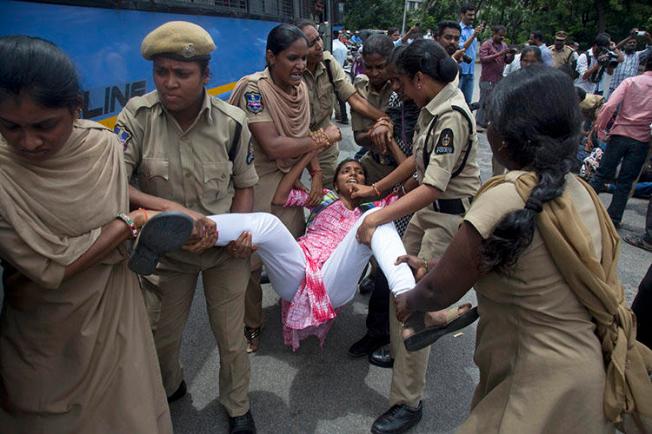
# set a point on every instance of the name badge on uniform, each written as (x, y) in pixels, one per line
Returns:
(123, 135)
(445, 143)
(254, 102)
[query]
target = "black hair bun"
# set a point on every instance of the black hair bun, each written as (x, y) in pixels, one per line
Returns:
(448, 69)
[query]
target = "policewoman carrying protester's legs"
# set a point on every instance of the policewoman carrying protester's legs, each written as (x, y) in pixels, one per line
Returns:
(445, 147)
(555, 341)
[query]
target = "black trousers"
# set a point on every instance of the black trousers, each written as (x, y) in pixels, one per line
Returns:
(378, 313)
(642, 307)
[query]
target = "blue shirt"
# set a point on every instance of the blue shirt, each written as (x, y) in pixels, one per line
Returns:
(467, 32)
(546, 55)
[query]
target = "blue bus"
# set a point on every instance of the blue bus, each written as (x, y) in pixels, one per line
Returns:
(103, 38)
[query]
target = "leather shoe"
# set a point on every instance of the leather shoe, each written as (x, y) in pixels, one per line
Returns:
(242, 424)
(382, 357)
(179, 393)
(397, 419)
(367, 345)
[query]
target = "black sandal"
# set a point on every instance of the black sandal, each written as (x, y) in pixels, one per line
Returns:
(163, 233)
(424, 336)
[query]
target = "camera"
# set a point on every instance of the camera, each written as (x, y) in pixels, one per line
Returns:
(606, 57)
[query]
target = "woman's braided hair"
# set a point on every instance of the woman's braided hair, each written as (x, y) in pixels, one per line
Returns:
(535, 111)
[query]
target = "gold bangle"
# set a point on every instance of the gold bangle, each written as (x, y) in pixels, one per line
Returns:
(376, 189)
(425, 265)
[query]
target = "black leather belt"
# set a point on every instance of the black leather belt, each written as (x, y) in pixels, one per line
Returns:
(449, 206)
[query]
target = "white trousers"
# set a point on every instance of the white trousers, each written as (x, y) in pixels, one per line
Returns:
(286, 263)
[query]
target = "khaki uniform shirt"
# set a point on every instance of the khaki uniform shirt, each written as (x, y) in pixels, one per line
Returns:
(322, 91)
(257, 112)
(267, 169)
(448, 142)
(189, 167)
(378, 99)
(561, 57)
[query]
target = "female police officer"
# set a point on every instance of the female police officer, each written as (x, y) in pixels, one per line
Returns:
(275, 101)
(445, 146)
(188, 148)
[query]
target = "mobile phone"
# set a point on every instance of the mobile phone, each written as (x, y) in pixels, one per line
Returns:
(640, 33)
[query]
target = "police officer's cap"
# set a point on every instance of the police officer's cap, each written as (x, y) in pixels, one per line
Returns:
(560, 35)
(179, 40)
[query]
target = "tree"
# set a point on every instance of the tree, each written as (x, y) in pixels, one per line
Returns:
(373, 14)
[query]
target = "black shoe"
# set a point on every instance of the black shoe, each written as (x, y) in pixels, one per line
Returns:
(382, 358)
(397, 419)
(367, 345)
(367, 285)
(242, 424)
(179, 393)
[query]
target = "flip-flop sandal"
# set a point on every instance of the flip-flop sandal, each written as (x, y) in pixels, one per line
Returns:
(163, 233)
(424, 336)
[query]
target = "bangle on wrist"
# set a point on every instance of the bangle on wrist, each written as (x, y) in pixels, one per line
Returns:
(376, 189)
(425, 265)
(130, 224)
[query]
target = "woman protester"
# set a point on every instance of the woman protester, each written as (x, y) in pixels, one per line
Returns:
(76, 350)
(278, 112)
(445, 147)
(318, 273)
(555, 340)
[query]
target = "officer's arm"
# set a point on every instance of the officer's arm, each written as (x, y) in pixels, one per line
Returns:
(402, 173)
(363, 107)
(138, 199)
(416, 199)
(243, 200)
(276, 146)
(453, 275)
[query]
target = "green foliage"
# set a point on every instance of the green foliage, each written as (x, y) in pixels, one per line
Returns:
(582, 20)
(373, 14)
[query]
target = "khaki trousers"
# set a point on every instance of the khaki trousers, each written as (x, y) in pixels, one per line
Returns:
(225, 280)
(293, 218)
(428, 235)
(375, 170)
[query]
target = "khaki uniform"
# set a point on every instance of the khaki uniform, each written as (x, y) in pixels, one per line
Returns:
(198, 168)
(270, 176)
(429, 232)
(561, 57)
(536, 345)
(377, 166)
(321, 107)
(76, 353)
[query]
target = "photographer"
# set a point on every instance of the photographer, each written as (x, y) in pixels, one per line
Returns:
(595, 62)
(632, 58)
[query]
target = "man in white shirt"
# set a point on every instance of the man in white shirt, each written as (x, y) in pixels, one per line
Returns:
(593, 63)
(340, 52)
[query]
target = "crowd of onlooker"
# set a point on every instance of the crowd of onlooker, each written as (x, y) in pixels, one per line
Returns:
(612, 81)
